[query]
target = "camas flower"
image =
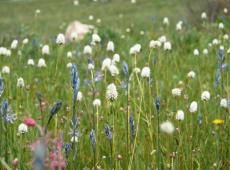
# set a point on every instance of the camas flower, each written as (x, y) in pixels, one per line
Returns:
(111, 92)
(167, 127)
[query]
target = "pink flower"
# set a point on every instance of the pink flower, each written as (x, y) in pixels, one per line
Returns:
(29, 121)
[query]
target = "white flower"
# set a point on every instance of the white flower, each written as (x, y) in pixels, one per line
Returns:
(162, 39)
(221, 26)
(113, 70)
(69, 54)
(20, 82)
(5, 70)
(116, 58)
(223, 103)
(196, 52)
(180, 115)
(25, 41)
(167, 46)
(79, 96)
(203, 15)
(176, 92)
(145, 72)
(60, 39)
(215, 41)
(193, 107)
(22, 128)
(69, 65)
(41, 62)
(91, 17)
(90, 66)
(97, 102)
(221, 47)
(37, 11)
(98, 21)
(226, 37)
(133, 1)
(74, 36)
(106, 64)
(45, 50)
(74, 139)
(228, 51)
(128, 30)
(166, 21)
(75, 2)
(136, 70)
(167, 127)
(14, 44)
(96, 38)
(205, 51)
(87, 50)
(205, 96)
(110, 46)
(154, 44)
(179, 25)
(135, 49)
(225, 10)
(30, 62)
(191, 74)
(3, 50)
(111, 92)
(142, 32)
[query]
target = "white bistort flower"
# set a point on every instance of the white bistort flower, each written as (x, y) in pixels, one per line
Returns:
(154, 44)
(224, 103)
(205, 96)
(69, 54)
(205, 51)
(106, 64)
(110, 46)
(136, 70)
(30, 62)
(225, 10)
(90, 66)
(20, 82)
(97, 102)
(193, 107)
(116, 58)
(191, 74)
(167, 127)
(41, 62)
(221, 26)
(196, 52)
(203, 15)
(180, 115)
(167, 46)
(113, 70)
(5, 70)
(179, 25)
(69, 65)
(162, 39)
(96, 38)
(87, 50)
(226, 37)
(25, 41)
(45, 50)
(135, 49)
(215, 41)
(166, 21)
(79, 96)
(60, 39)
(176, 92)
(111, 92)
(22, 128)
(145, 72)
(14, 44)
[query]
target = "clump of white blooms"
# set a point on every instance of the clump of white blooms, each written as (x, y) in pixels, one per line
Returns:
(162, 39)
(45, 50)
(74, 36)
(14, 44)
(69, 54)
(60, 39)
(91, 17)
(106, 64)
(167, 127)
(203, 15)
(136, 70)
(215, 41)
(110, 46)
(97, 102)
(116, 58)
(154, 44)
(224, 103)
(180, 115)
(193, 107)
(113, 70)
(191, 74)
(196, 52)
(205, 51)
(179, 25)
(167, 46)
(226, 37)
(91, 66)
(41, 62)
(166, 21)
(221, 26)
(176, 92)
(135, 49)
(87, 50)
(20, 82)
(30, 62)
(111, 92)
(25, 41)
(205, 96)
(22, 128)
(79, 96)
(96, 38)
(145, 72)
(69, 65)
(5, 52)
(5, 70)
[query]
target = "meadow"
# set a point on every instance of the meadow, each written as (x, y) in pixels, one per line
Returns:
(145, 89)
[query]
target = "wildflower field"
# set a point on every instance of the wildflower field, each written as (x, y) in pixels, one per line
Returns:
(144, 88)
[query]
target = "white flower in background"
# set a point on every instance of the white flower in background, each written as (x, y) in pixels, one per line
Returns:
(205, 96)
(210, 45)
(221, 47)
(162, 39)
(106, 64)
(142, 32)
(166, 21)
(41, 62)
(116, 58)
(5, 52)
(98, 21)
(191, 74)
(135, 49)
(113, 70)
(79, 96)
(225, 10)
(74, 36)
(203, 15)
(111, 92)
(30, 62)
(136, 70)
(224, 103)
(69, 65)
(154, 44)
(167, 127)
(133, 1)
(8, 53)
(221, 26)
(74, 139)
(20, 82)
(91, 66)
(145, 72)
(22, 128)
(60, 39)
(215, 41)
(179, 25)
(45, 50)
(97, 102)
(25, 41)
(69, 54)
(75, 2)
(96, 38)
(128, 30)
(19, 52)
(37, 11)
(205, 51)
(14, 44)
(180, 115)
(226, 37)
(5, 70)
(91, 17)
(87, 50)
(176, 92)
(228, 51)
(167, 46)
(110, 46)
(196, 52)
(193, 107)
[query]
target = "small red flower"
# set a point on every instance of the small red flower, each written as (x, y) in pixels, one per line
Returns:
(29, 121)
